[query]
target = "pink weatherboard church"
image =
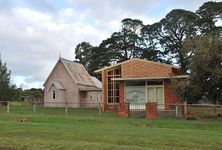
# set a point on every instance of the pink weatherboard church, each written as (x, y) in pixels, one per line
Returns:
(69, 84)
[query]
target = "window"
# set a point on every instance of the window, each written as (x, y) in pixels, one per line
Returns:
(135, 92)
(155, 82)
(53, 94)
(113, 86)
(155, 94)
(135, 83)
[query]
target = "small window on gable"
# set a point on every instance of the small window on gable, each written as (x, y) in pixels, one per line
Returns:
(53, 94)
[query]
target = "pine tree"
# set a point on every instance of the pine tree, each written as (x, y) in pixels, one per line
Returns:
(6, 89)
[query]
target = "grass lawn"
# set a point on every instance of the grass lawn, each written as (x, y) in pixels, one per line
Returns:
(50, 128)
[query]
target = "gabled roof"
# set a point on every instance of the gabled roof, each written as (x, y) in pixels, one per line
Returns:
(76, 71)
(97, 82)
(58, 85)
(136, 59)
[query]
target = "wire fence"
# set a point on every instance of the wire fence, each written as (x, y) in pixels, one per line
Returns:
(95, 109)
(180, 110)
(53, 108)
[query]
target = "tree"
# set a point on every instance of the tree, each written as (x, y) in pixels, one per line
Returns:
(6, 88)
(83, 53)
(151, 46)
(92, 57)
(126, 43)
(206, 69)
(100, 58)
(210, 13)
(32, 95)
(172, 30)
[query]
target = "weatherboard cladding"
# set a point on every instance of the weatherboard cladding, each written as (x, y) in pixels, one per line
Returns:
(70, 78)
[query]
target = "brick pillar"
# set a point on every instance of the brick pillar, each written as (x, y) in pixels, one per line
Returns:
(151, 110)
(121, 92)
(123, 110)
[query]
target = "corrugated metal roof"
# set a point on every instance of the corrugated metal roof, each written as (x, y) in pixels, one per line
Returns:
(97, 82)
(78, 72)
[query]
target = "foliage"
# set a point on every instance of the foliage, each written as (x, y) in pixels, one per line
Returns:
(126, 43)
(83, 53)
(206, 69)
(172, 30)
(6, 88)
(92, 57)
(210, 12)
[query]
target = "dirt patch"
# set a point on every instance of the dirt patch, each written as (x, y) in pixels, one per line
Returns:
(22, 120)
(149, 126)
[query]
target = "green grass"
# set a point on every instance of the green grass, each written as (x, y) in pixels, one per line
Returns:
(50, 128)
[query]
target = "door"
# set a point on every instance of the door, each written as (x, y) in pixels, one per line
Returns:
(159, 97)
(155, 94)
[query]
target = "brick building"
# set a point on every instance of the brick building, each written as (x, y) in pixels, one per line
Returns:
(138, 81)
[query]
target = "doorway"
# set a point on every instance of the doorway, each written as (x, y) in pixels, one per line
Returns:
(155, 94)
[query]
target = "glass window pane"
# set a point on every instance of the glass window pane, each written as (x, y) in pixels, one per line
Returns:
(155, 82)
(135, 83)
(159, 95)
(135, 94)
(150, 94)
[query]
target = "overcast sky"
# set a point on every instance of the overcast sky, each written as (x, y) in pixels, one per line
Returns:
(34, 32)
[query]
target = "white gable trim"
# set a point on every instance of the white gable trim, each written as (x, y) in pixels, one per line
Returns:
(60, 60)
(58, 86)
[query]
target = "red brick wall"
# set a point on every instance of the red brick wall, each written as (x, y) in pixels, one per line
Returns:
(140, 68)
(121, 92)
(151, 110)
(123, 110)
(110, 107)
(137, 69)
(104, 90)
(169, 95)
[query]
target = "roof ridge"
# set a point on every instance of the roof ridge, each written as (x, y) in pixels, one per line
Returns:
(144, 60)
(63, 59)
(69, 72)
(155, 62)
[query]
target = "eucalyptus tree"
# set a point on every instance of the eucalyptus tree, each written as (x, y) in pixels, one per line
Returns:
(126, 43)
(210, 13)
(171, 31)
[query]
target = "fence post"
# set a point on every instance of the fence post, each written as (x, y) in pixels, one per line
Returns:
(185, 108)
(99, 109)
(8, 107)
(66, 109)
(34, 107)
(177, 113)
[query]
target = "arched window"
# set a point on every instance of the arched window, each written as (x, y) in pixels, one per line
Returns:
(53, 94)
